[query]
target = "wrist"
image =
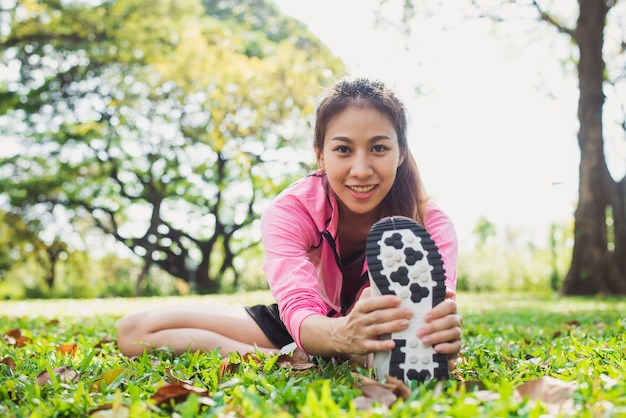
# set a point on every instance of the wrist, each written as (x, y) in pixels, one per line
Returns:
(338, 340)
(323, 336)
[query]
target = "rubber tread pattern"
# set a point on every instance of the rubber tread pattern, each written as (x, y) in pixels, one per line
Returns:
(417, 362)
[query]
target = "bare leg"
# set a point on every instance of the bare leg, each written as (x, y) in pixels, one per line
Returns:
(200, 327)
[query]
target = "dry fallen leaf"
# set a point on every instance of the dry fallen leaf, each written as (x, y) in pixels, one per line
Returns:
(478, 390)
(379, 394)
(300, 356)
(227, 367)
(556, 394)
(251, 358)
(298, 360)
(102, 342)
(363, 380)
(177, 393)
(15, 337)
(546, 388)
(175, 379)
(398, 387)
(109, 377)
(71, 349)
(110, 411)
(9, 362)
(288, 363)
(385, 394)
(363, 403)
(65, 374)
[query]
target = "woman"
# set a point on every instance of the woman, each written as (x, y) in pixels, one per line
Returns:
(315, 235)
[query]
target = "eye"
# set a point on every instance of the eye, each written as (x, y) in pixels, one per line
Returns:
(379, 148)
(342, 149)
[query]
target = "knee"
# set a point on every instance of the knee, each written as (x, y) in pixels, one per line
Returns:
(129, 335)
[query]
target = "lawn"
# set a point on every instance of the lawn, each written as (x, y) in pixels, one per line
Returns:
(524, 355)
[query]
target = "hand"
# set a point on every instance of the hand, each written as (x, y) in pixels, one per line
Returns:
(443, 329)
(370, 318)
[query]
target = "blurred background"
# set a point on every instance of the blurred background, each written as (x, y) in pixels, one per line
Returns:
(140, 141)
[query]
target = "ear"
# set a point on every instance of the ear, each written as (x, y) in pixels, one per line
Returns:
(320, 158)
(401, 159)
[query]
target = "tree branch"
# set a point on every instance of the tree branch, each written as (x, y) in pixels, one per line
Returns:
(547, 17)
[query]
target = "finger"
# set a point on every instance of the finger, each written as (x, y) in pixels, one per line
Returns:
(440, 324)
(381, 345)
(383, 321)
(373, 304)
(450, 293)
(377, 329)
(447, 335)
(449, 347)
(451, 320)
(373, 345)
(446, 307)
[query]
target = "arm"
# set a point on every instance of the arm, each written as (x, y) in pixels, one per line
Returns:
(442, 231)
(288, 234)
(356, 333)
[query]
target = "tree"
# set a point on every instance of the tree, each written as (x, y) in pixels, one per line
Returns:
(168, 128)
(21, 242)
(598, 265)
(483, 230)
(599, 255)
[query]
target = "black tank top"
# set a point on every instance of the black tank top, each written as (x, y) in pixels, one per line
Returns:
(352, 280)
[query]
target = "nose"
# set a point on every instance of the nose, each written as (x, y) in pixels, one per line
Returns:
(361, 166)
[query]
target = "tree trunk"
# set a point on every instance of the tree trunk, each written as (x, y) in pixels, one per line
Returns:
(619, 231)
(204, 284)
(141, 278)
(592, 270)
(50, 276)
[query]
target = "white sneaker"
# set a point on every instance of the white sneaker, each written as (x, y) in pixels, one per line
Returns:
(288, 349)
(403, 260)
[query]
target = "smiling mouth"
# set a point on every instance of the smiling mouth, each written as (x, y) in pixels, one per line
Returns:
(362, 189)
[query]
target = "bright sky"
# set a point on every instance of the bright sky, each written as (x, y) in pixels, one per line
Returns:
(494, 128)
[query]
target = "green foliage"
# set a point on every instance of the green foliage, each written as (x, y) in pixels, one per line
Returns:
(81, 275)
(165, 127)
(508, 340)
(510, 261)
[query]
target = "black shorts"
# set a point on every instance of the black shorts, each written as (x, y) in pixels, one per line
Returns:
(268, 319)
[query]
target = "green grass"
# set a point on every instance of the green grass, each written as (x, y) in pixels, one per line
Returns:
(508, 340)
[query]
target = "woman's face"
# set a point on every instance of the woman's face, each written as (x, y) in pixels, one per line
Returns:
(360, 156)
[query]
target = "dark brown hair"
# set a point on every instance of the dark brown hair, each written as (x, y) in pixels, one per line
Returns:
(407, 195)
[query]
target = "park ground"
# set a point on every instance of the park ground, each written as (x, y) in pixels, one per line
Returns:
(531, 355)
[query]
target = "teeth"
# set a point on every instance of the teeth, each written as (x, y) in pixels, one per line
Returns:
(361, 189)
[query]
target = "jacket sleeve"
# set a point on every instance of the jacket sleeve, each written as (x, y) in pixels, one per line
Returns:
(288, 233)
(442, 231)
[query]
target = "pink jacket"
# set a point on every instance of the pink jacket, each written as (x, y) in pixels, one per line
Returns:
(299, 232)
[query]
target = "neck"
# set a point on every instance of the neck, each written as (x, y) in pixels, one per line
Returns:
(359, 220)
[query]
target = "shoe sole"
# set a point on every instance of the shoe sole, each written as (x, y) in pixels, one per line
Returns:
(403, 260)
